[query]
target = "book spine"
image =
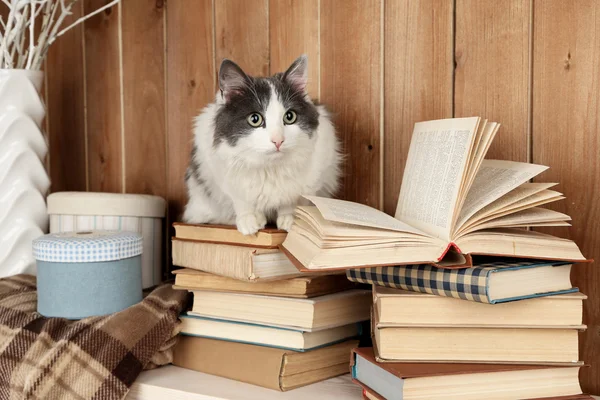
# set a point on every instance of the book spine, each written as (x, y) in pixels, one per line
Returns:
(465, 284)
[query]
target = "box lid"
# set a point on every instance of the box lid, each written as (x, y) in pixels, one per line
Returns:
(117, 204)
(89, 246)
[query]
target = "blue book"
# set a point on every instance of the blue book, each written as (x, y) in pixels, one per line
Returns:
(265, 335)
(494, 282)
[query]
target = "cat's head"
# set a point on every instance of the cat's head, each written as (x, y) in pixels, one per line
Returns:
(265, 119)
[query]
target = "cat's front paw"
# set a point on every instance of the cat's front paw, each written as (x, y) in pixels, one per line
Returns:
(249, 224)
(285, 221)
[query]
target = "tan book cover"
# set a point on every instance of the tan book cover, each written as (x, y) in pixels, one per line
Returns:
(404, 308)
(228, 234)
(262, 366)
(464, 375)
(300, 287)
(238, 262)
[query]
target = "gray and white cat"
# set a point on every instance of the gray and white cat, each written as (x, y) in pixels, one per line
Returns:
(258, 148)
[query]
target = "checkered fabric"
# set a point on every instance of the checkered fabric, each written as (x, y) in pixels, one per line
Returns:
(92, 246)
(94, 358)
(467, 283)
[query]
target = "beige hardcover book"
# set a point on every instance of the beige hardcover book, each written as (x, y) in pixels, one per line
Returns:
(301, 287)
(544, 345)
(262, 366)
(237, 262)
(396, 306)
(452, 204)
(227, 234)
(321, 312)
(455, 381)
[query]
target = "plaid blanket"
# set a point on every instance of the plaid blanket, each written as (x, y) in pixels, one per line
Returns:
(93, 358)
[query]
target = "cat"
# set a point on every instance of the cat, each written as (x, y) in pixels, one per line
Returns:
(258, 148)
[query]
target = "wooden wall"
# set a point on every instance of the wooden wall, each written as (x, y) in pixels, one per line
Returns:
(123, 88)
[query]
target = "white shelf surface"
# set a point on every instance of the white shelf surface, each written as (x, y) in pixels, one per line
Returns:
(176, 383)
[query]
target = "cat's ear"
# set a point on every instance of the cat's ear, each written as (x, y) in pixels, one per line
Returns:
(232, 80)
(297, 73)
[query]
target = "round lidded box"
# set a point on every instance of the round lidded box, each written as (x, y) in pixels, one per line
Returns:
(88, 273)
(142, 213)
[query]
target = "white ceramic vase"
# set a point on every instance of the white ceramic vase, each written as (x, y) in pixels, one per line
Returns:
(23, 178)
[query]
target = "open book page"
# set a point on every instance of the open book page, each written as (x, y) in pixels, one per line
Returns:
(489, 132)
(348, 212)
(518, 199)
(522, 192)
(494, 179)
(312, 223)
(435, 170)
(529, 217)
(519, 243)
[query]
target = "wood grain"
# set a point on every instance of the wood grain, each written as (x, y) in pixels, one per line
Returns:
(190, 86)
(566, 137)
(144, 97)
(492, 70)
(103, 86)
(417, 81)
(294, 30)
(65, 109)
(242, 34)
(351, 89)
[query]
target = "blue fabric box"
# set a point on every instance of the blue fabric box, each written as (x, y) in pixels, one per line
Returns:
(83, 274)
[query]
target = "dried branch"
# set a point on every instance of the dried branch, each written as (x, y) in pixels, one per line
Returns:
(20, 28)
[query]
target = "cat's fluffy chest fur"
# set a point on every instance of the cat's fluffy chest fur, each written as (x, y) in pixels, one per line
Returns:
(244, 174)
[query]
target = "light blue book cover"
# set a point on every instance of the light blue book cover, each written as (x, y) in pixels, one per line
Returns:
(259, 331)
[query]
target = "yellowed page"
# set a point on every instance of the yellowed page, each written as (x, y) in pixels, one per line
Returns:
(529, 217)
(494, 179)
(435, 170)
(348, 212)
(522, 192)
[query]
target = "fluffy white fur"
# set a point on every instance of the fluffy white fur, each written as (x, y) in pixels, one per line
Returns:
(252, 182)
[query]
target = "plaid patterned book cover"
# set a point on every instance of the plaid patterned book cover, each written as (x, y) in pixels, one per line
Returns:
(467, 283)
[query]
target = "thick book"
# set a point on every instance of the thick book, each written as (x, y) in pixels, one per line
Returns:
(313, 314)
(452, 204)
(264, 335)
(487, 282)
(268, 238)
(406, 381)
(248, 264)
(302, 287)
(396, 306)
(545, 345)
(262, 366)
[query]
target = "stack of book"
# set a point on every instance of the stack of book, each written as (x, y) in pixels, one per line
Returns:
(515, 336)
(255, 318)
(454, 208)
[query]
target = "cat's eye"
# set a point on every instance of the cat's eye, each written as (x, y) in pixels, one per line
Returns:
(290, 117)
(255, 120)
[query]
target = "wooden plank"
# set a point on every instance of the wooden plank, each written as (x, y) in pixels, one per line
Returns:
(103, 86)
(242, 34)
(65, 109)
(294, 30)
(351, 88)
(417, 81)
(566, 137)
(190, 86)
(492, 70)
(144, 97)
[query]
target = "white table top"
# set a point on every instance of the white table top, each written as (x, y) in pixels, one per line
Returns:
(176, 383)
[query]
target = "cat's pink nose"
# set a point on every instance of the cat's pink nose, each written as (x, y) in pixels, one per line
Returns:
(277, 143)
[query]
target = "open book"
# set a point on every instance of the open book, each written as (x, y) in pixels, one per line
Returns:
(452, 204)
